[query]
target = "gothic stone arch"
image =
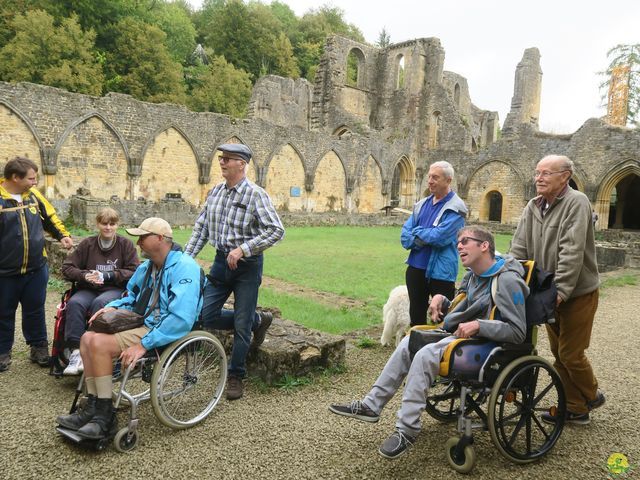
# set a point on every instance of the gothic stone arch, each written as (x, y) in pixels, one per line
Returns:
(500, 177)
(285, 180)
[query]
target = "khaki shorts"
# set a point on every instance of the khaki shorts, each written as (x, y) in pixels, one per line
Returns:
(130, 337)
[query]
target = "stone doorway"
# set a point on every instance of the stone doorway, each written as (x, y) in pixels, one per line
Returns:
(623, 205)
(403, 184)
(495, 206)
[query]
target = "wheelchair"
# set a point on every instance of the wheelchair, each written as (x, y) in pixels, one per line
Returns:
(518, 385)
(184, 382)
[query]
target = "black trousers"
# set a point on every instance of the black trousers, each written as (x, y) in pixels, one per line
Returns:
(421, 290)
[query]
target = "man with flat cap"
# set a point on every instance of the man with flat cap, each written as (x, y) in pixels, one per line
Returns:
(173, 281)
(240, 221)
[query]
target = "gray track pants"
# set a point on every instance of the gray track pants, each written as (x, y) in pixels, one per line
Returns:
(419, 373)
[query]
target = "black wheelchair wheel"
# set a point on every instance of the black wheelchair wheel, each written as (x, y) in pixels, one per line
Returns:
(443, 400)
(527, 388)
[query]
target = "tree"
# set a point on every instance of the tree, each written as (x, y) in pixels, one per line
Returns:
(248, 36)
(625, 55)
(173, 19)
(384, 39)
(219, 87)
(314, 28)
(61, 56)
(141, 64)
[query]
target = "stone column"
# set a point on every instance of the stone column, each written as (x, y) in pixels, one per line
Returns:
(525, 103)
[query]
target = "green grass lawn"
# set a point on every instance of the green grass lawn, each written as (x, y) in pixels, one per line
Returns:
(363, 263)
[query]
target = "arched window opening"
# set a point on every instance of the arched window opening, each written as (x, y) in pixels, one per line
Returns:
(401, 72)
(355, 68)
(456, 95)
(434, 130)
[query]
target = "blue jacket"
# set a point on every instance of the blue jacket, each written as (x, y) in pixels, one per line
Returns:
(180, 299)
(441, 237)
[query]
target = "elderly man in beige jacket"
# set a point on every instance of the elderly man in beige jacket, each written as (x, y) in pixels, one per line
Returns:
(557, 232)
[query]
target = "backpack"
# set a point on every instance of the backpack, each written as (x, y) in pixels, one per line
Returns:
(540, 305)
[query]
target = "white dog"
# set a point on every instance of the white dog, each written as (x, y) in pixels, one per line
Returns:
(395, 316)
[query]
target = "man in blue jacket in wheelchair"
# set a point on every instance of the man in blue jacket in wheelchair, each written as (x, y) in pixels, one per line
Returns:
(469, 318)
(173, 279)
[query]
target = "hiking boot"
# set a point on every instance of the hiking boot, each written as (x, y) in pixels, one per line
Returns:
(81, 417)
(103, 422)
(396, 445)
(570, 417)
(597, 402)
(259, 333)
(5, 361)
(355, 409)
(235, 388)
(75, 366)
(40, 354)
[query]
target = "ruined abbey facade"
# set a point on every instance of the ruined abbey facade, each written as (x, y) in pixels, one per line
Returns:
(359, 138)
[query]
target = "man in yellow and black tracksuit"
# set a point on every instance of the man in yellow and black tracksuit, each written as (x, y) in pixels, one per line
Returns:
(24, 215)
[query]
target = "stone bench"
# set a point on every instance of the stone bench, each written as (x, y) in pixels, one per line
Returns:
(288, 349)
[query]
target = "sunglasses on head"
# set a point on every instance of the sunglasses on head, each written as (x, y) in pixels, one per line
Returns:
(465, 240)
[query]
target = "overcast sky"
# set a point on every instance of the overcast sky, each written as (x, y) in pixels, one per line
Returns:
(484, 41)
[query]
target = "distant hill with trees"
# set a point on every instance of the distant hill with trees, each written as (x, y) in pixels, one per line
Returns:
(163, 51)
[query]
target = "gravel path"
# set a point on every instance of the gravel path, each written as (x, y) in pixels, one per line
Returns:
(279, 434)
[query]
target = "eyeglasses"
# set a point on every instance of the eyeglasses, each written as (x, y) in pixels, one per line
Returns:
(228, 159)
(546, 174)
(465, 240)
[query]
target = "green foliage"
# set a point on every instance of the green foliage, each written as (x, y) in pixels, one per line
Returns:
(143, 66)
(366, 342)
(620, 280)
(249, 36)
(56, 55)
(625, 55)
(289, 383)
(57, 284)
(174, 20)
(218, 87)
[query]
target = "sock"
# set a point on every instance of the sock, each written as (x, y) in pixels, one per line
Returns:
(90, 382)
(104, 386)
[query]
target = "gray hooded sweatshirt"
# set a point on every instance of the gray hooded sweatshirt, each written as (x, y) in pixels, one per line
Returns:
(510, 324)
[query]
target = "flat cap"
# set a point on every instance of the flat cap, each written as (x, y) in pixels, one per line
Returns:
(237, 149)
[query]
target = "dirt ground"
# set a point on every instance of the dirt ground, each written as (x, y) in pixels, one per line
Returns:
(291, 435)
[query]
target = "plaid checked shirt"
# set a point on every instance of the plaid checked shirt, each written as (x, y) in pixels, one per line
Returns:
(241, 216)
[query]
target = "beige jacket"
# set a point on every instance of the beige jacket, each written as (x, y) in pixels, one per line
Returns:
(561, 242)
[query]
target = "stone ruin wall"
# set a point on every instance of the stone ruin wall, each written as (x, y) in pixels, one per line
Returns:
(317, 147)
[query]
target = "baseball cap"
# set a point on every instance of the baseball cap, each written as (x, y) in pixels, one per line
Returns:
(153, 225)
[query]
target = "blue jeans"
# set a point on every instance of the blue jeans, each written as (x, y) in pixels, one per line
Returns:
(243, 282)
(30, 291)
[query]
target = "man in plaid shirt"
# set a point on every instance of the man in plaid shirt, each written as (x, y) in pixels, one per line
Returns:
(240, 221)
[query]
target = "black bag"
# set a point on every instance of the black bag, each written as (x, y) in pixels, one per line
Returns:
(541, 302)
(418, 338)
(118, 320)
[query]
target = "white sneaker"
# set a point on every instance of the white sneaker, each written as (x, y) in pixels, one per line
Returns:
(75, 366)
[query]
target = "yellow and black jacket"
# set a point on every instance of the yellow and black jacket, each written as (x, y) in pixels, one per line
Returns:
(22, 231)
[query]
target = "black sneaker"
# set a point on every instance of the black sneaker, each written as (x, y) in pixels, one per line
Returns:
(259, 333)
(570, 417)
(355, 409)
(396, 445)
(597, 402)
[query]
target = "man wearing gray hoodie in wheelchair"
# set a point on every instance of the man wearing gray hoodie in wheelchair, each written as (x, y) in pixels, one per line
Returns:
(469, 317)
